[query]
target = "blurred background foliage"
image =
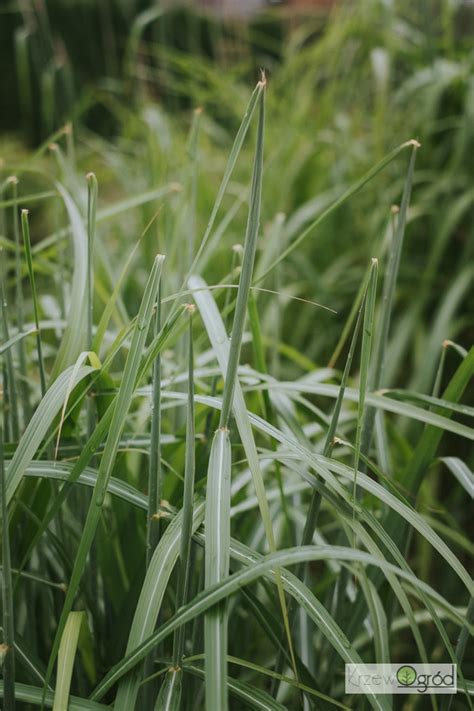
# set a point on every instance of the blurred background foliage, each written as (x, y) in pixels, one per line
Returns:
(347, 83)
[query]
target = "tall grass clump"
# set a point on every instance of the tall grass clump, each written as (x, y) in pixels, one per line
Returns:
(236, 434)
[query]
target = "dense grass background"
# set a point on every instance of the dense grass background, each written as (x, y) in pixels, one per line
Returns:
(111, 378)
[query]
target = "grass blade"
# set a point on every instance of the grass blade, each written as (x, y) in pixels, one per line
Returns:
(462, 473)
(232, 160)
(19, 307)
(15, 339)
(10, 386)
(151, 597)
(217, 556)
(8, 653)
(33, 695)
(27, 242)
(40, 423)
(250, 247)
(169, 698)
(66, 655)
(188, 500)
(75, 334)
(390, 280)
(154, 472)
(366, 351)
(92, 188)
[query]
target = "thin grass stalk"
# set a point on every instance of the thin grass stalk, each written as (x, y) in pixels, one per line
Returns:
(391, 275)
(250, 248)
(188, 500)
(388, 295)
(18, 337)
(355, 310)
(19, 307)
(92, 190)
(131, 54)
(460, 650)
(29, 261)
(8, 653)
(197, 631)
(352, 190)
(267, 407)
(259, 351)
(154, 466)
(10, 380)
(48, 97)
(171, 689)
(170, 686)
(236, 250)
(192, 151)
(440, 371)
(366, 352)
(5, 402)
(22, 65)
(71, 157)
(232, 160)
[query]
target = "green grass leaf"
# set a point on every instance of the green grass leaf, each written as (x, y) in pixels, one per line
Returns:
(66, 656)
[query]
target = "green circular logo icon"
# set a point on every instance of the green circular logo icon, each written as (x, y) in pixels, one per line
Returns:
(406, 675)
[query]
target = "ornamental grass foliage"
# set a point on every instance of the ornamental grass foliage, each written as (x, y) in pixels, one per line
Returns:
(236, 362)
